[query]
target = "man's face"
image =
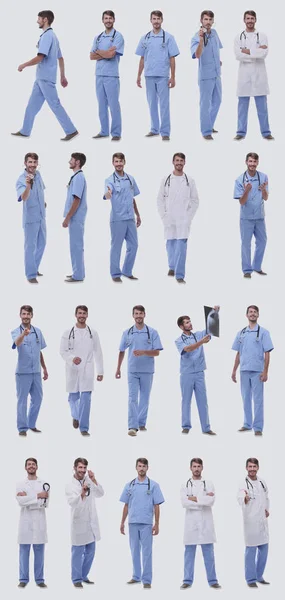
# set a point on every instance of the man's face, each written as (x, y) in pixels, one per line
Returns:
(196, 470)
(80, 471)
(31, 165)
(141, 469)
(31, 467)
(81, 316)
(178, 163)
(138, 316)
(252, 164)
(119, 164)
(108, 21)
(187, 325)
(42, 22)
(250, 22)
(252, 315)
(156, 22)
(73, 163)
(207, 22)
(26, 317)
(252, 470)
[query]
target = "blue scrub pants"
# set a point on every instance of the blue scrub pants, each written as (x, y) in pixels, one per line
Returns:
(209, 561)
(139, 392)
(35, 242)
(81, 561)
(45, 90)
(189, 383)
(252, 388)
(108, 90)
(28, 383)
(262, 112)
(76, 245)
(255, 562)
(157, 92)
(140, 536)
(176, 252)
(120, 231)
(79, 403)
(24, 559)
(249, 228)
(210, 102)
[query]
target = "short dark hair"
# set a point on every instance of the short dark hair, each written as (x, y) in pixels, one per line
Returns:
(119, 155)
(144, 461)
(252, 13)
(139, 307)
(252, 155)
(109, 13)
(28, 308)
(208, 13)
(83, 461)
(32, 155)
(47, 14)
(156, 13)
(196, 460)
(180, 320)
(79, 156)
(254, 461)
(81, 307)
(32, 460)
(252, 306)
(180, 155)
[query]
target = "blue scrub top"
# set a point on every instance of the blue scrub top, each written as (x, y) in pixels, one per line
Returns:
(254, 206)
(137, 339)
(123, 191)
(77, 187)
(29, 351)
(191, 362)
(251, 348)
(34, 207)
(140, 502)
(209, 61)
(49, 46)
(156, 54)
(108, 67)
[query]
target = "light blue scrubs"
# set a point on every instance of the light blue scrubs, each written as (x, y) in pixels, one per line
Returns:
(255, 562)
(209, 79)
(34, 222)
(252, 221)
(176, 254)
(77, 187)
(209, 562)
(251, 345)
(141, 498)
(262, 113)
(122, 223)
(140, 371)
(81, 561)
(44, 86)
(108, 82)
(157, 49)
(80, 403)
(28, 376)
(24, 560)
(192, 379)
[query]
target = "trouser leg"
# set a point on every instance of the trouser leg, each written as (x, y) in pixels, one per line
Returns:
(51, 96)
(189, 561)
(246, 233)
(84, 410)
(209, 561)
(216, 100)
(258, 401)
(118, 234)
(187, 387)
(180, 258)
(131, 238)
(31, 231)
(146, 539)
(88, 559)
(163, 97)
(112, 88)
(243, 105)
(206, 92)
(260, 244)
(170, 249)
(23, 386)
(77, 556)
(74, 399)
(262, 553)
(102, 105)
(246, 392)
(152, 98)
(41, 243)
(250, 564)
(133, 412)
(135, 546)
(24, 558)
(201, 400)
(39, 555)
(146, 380)
(34, 105)
(36, 393)
(262, 113)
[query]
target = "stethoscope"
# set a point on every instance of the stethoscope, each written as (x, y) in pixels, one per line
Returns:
(147, 38)
(191, 483)
(87, 492)
(243, 35)
(168, 180)
(32, 330)
(184, 338)
(242, 334)
(132, 483)
(245, 177)
(250, 485)
(206, 38)
(131, 332)
(42, 36)
(72, 336)
(74, 175)
(117, 180)
(46, 488)
(100, 35)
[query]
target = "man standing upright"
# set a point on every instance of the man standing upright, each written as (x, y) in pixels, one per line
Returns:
(74, 216)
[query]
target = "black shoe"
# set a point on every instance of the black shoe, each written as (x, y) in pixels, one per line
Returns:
(75, 423)
(22, 584)
(78, 584)
(69, 136)
(88, 581)
(264, 582)
(216, 586)
(253, 585)
(42, 584)
(19, 134)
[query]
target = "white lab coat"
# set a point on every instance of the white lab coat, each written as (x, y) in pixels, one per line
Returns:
(80, 378)
(84, 519)
(177, 204)
(255, 522)
(199, 524)
(32, 524)
(252, 76)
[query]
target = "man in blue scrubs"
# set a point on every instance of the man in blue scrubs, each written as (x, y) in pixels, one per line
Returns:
(192, 377)
(74, 216)
(107, 48)
(30, 190)
(144, 344)
(29, 342)
(142, 497)
(121, 188)
(157, 50)
(49, 53)
(251, 189)
(205, 46)
(253, 345)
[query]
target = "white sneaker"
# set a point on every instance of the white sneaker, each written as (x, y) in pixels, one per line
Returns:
(132, 432)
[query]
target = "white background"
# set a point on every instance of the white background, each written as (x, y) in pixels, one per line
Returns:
(213, 276)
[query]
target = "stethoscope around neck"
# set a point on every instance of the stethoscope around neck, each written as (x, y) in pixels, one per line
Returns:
(243, 36)
(250, 487)
(191, 484)
(72, 337)
(32, 330)
(117, 180)
(242, 334)
(48, 29)
(246, 178)
(131, 332)
(184, 337)
(82, 482)
(168, 180)
(100, 35)
(132, 484)
(147, 39)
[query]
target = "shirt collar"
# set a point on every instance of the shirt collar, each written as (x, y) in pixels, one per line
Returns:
(109, 34)
(143, 330)
(254, 329)
(145, 482)
(45, 31)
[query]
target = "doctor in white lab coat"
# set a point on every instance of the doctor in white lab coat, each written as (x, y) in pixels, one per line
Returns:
(79, 346)
(253, 498)
(198, 497)
(32, 497)
(251, 49)
(177, 203)
(81, 494)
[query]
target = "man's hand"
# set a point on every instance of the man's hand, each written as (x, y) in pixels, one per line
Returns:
(118, 374)
(245, 51)
(84, 490)
(122, 528)
(246, 498)
(65, 222)
(247, 187)
(21, 494)
(266, 513)
(91, 474)
(263, 47)
(171, 82)
(263, 376)
(139, 221)
(64, 81)
(155, 529)
(234, 376)
(201, 32)
(263, 186)
(42, 495)
(138, 352)
(21, 67)
(216, 308)
(99, 377)
(45, 377)
(210, 494)
(26, 331)
(29, 178)
(139, 82)
(192, 498)
(205, 339)
(77, 360)
(108, 194)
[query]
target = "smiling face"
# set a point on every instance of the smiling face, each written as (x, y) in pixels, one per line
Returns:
(141, 469)
(81, 316)
(138, 316)
(156, 22)
(250, 21)
(252, 470)
(196, 470)
(178, 163)
(119, 164)
(26, 318)
(31, 467)
(108, 22)
(252, 315)
(251, 164)
(80, 471)
(31, 165)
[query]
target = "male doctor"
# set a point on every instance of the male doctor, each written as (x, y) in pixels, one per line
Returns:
(253, 345)
(74, 216)
(49, 53)
(79, 347)
(251, 189)
(30, 190)
(254, 500)
(157, 50)
(142, 498)
(144, 344)
(198, 497)
(205, 46)
(85, 532)
(251, 49)
(29, 342)
(32, 495)
(177, 203)
(107, 48)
